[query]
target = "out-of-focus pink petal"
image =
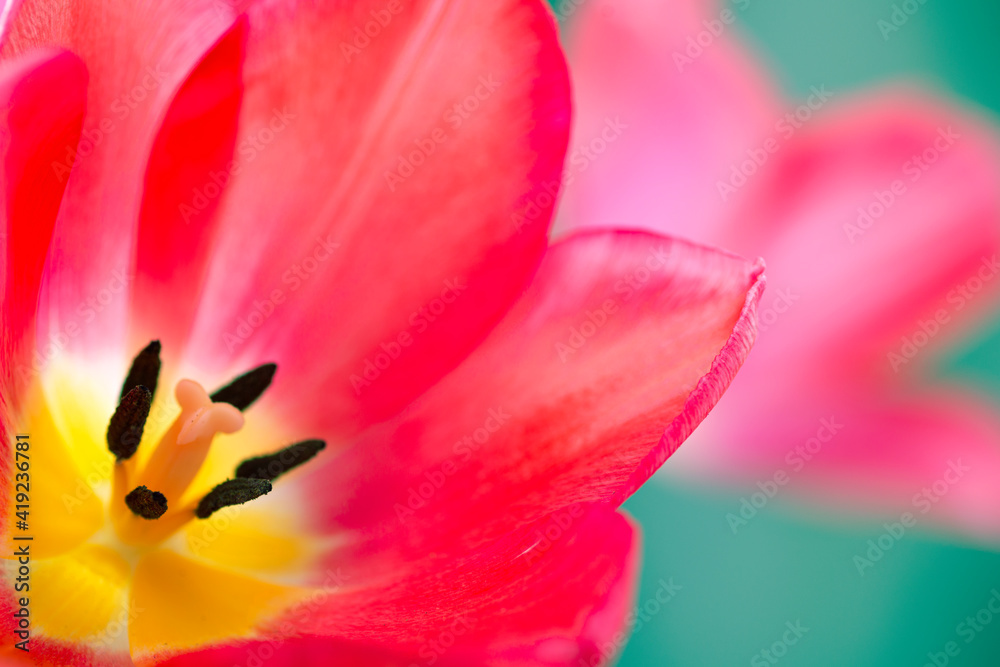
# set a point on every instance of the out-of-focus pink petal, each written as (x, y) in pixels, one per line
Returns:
(44, 96)
(667, 101)
(858, 302)
(864, 278)
(137, 56)
(935, 455)
(333, 122)
(617, 351)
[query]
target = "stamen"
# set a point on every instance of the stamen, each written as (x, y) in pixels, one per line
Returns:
(145, 503)
(247, 388)
(231, 492)
(145, 369)
(128, 421)
(272, 466)
(178, 457)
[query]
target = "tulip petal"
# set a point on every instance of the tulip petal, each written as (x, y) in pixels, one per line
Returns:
(661, 117)
(526, 600)
(137, 55)
(173, 246)
(935, 455)
(473, 98)
(298, 652)
(879, 226)
(833, 221)
(801, 211)
(44, 95)
(863, 280)
(509, 511)
(617, 351)
(168, 78)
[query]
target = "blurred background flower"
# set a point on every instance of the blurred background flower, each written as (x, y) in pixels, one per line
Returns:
(842, 504)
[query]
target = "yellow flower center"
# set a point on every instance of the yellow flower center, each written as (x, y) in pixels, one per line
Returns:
(141, 543)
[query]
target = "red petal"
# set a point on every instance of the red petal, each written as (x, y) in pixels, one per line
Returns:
(529, 600)
(137, 57)
(321, 260)
(617, 351)
(298, 652)
(44, 95)
(194, 144)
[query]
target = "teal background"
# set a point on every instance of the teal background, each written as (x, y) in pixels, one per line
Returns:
(795, 563)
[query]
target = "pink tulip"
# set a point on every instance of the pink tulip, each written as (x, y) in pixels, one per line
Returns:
(359, 193)
(878, 214)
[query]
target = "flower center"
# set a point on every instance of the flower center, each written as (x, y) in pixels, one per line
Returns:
(148, 501)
